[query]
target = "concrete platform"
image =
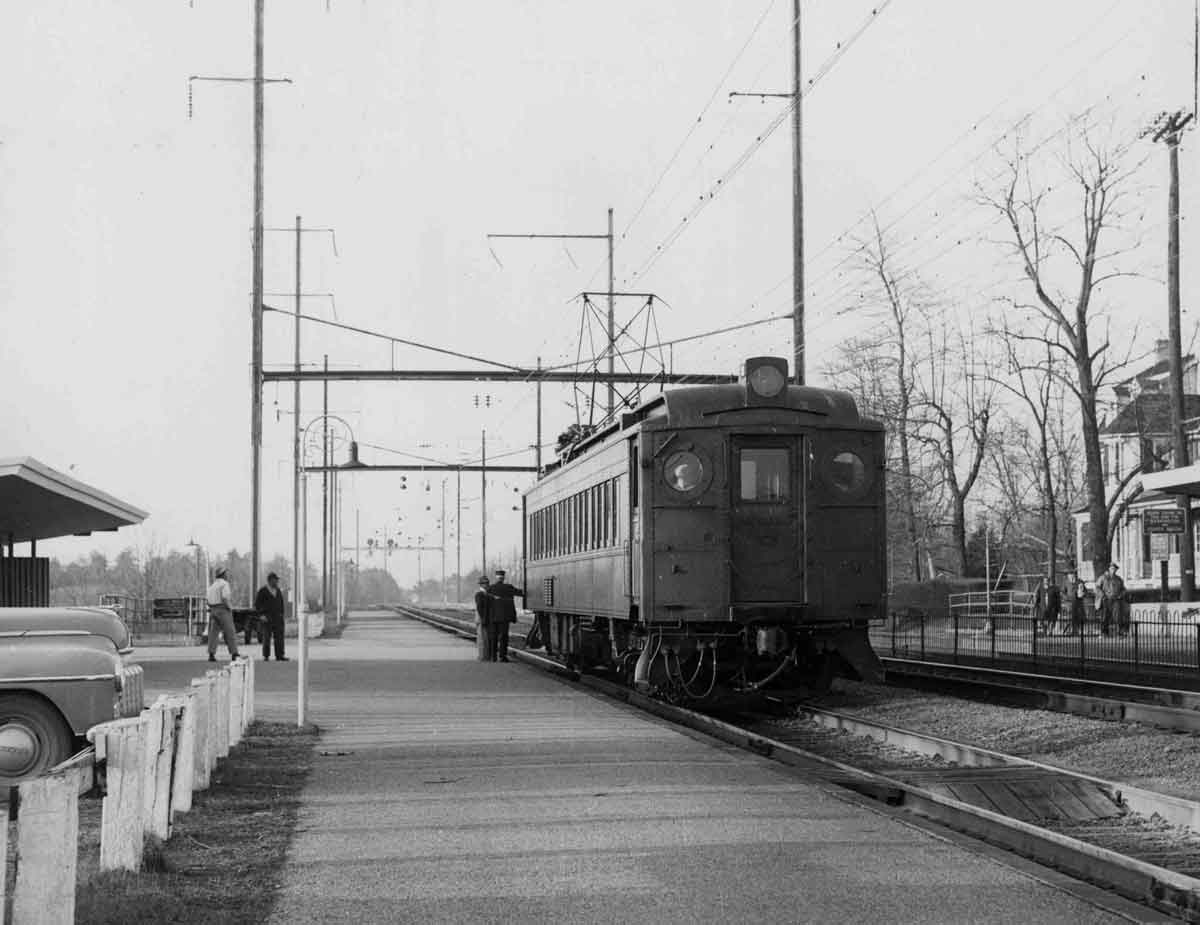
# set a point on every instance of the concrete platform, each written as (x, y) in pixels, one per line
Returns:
(449, 790)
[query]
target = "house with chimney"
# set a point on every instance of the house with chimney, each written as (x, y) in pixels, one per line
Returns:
(1136, 454)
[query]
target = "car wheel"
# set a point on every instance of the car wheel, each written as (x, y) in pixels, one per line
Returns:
(33, 738)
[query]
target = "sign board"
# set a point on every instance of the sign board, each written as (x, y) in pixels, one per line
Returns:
(1162, 520)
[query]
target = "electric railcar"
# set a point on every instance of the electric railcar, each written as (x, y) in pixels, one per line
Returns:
(716, 539)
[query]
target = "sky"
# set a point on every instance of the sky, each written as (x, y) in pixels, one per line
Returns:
(415, 129)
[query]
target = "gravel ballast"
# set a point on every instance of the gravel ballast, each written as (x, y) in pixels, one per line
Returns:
(1155, 759)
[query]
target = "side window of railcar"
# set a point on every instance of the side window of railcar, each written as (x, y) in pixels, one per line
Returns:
(763, 474)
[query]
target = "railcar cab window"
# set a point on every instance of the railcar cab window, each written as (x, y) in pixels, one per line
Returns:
(848, 473)
(764, 474)
(683, 471)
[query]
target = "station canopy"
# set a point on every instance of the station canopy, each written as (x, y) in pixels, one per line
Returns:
(38, 503)
(1182, 481)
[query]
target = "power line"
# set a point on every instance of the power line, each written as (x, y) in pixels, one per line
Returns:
(756, 144)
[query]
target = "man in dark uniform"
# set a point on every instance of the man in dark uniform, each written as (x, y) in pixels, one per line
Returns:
(483, 622)
(503, 612)
(268, 604)
(1110, 590)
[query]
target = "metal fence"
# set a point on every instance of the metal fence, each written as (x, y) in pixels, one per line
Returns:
(170, 617)
(1000, 630)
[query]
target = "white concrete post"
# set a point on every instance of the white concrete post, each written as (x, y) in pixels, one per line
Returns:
(237, 690)
(122, 816)
(201, 766)
(159, 819)
(248, 699)
(47, 850)
(185, 754)
(222, 713)
(152, 729)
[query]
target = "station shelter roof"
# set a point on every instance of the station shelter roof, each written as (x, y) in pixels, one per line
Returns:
(1182, 481)
(37, 503)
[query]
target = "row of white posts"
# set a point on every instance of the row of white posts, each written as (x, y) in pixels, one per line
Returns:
(148, 767)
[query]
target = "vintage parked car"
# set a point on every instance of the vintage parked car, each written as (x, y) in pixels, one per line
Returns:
(62, 671)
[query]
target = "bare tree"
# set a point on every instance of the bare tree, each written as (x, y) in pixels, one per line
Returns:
(1030, 378)
(1097, 179)
(956, 399)
(878, 368)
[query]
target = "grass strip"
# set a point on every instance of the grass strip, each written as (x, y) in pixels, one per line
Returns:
(222, 862)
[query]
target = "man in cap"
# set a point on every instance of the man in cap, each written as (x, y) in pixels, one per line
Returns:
(503, 612)
(268, 604)
(1111, 591)
(220, 615)
(483, 622)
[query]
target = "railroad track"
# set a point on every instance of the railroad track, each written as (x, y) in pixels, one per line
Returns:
(1177, 710)
(1133, 842)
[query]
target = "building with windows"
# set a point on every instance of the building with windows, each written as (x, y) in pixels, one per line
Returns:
(1136, 454)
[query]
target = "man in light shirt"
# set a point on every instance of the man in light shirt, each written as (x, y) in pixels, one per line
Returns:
(220, 615)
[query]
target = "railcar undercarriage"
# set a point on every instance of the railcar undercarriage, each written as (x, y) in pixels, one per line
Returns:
(708, 663)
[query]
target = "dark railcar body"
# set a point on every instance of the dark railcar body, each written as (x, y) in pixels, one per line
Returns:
(739, 523)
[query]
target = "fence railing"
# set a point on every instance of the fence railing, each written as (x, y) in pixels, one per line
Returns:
(1009, 634)
(147, 767)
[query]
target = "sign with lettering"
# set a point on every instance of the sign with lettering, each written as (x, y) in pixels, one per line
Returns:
(1162, 520)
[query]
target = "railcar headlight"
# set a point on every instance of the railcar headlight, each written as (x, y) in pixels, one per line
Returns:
(683, 471)
(766, 381)
(848, 472)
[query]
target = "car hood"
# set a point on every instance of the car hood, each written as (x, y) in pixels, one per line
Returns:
(63, 621)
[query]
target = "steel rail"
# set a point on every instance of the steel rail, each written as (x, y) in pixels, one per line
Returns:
(1164, 707)
(1146, 883)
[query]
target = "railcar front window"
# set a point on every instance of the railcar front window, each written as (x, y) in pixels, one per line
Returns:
(764, 474)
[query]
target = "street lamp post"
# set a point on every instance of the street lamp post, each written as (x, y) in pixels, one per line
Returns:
(300, 531)
(202, 578)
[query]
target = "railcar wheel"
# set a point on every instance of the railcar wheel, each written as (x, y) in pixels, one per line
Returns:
(33, 738)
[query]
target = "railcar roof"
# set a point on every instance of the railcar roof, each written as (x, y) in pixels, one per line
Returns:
(695, 405)
(692, 406)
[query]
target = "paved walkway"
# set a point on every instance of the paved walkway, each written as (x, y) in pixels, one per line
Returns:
(452, 791)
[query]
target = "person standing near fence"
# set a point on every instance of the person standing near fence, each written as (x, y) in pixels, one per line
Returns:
(220, 615)
(1076, 592)
(1053, 607)
(1112, 602)
(1040, 608)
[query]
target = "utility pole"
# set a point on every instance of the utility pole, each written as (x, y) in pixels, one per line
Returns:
(443, 541)
(797, 206)
(256, 308)
(611, 350)
(458, 538)
(537, 448)
(325, 493)
(483, 497)
(1169, 128)
(612, 327)
(795, 95)
(298, 577)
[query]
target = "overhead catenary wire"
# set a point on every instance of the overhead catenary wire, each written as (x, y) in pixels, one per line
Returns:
(705, 198)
